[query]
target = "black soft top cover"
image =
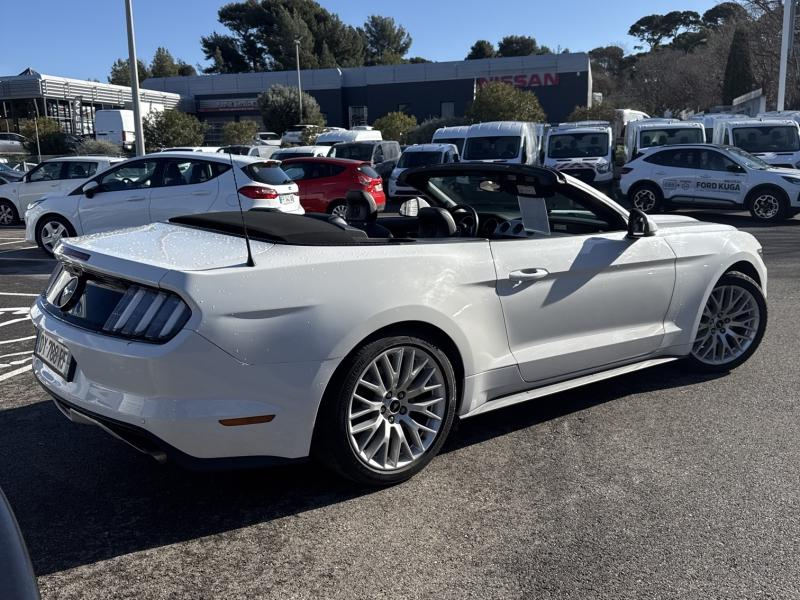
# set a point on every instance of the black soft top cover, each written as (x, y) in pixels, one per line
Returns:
(271, 226)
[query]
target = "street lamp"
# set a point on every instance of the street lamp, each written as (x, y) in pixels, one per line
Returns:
(133, 64)
(299, 86)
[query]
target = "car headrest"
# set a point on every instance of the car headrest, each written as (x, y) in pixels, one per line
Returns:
(435, 222)
(361, 206)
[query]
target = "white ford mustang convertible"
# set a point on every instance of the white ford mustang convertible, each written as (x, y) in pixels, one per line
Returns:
(359, 341)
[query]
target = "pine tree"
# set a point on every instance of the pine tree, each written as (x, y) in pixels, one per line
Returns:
(738, 77)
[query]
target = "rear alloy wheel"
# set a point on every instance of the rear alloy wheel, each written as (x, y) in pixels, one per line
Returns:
(769, 205)
(647, 198)
(391, 413)
(50, 230)
(338, 209)
(731, 326)
(8, 213)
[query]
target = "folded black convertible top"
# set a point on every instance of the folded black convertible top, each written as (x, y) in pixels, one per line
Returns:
(271, 226)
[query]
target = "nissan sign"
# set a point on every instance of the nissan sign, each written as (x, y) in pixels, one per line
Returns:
(522, 80)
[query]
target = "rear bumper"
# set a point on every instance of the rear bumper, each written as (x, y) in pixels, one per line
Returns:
(169, 399)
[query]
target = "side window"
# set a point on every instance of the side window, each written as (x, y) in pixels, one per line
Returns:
(377, 156)
(294, 172)
(130, 176)
(80, 170)
(334, 170)
(48, 171)
(181, 171)
(664, 158)
(726, 140)
(714, 161)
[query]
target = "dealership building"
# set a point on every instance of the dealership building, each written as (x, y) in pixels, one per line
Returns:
(358, 96)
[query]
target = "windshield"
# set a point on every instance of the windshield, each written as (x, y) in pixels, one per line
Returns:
(269, 173)
(409, 160)
(578, 145)
(492, 148)
(353, 151)
(235, 150)
(767, 138)
(748, 160)
(662, 137)
(268, 136)
(457, 142)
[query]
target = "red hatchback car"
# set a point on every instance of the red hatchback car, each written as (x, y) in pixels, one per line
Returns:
(324, 182)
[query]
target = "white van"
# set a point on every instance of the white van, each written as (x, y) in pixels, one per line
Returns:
(329, 138)
(710, 119)
(451, 135)
(623, 116)
(116, 127)
(420, 155)
(584, 150)
(648, 133)
(502, 141)
(300, 152)
(775, 141)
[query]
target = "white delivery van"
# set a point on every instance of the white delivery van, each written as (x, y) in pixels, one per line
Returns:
(115, 126)
(584, 150)
(344, 136)
(420, 155)
(502, 141)
(623, 116)
(775, 141)
(648, 133)
(451, 135)
(710, 119)
(300, 152)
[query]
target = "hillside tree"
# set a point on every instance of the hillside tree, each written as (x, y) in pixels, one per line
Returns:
(280, 109)
(481, 49)
(385, 42)
(499, 101)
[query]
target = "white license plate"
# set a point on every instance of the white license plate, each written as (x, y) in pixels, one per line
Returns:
(286, 198)
(54, 354)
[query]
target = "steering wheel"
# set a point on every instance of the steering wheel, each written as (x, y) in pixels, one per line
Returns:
(127, 181)
(468, 224)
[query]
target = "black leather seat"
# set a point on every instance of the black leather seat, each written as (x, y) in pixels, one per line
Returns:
(435, 222)
(362, 213)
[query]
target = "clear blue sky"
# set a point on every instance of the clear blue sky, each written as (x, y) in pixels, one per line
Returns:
(82, 38)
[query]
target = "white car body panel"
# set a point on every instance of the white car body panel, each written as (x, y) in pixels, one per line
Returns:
(707, 187)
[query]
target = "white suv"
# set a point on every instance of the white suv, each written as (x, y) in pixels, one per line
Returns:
(157, 187)
(54, 176)
(709, 176)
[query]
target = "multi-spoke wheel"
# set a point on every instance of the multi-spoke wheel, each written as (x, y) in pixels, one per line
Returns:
(50, 230)
(338, 209)
(646, 197)
(8, 213)
(389, 412)
(768, 205)
(732, 324)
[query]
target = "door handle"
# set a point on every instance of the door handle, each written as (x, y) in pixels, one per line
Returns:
(658, 173)
(206, 193)
(528, 274)
(136, 198)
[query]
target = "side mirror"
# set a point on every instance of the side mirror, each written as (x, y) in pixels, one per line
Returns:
(640, 225)
(90, 188)
(735, 169)
(410, 208)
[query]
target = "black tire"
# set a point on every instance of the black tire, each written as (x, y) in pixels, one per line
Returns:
(769, 205)
(8, 213)
(338, 205)
(332, 441)
(740, 280)
(647, 197)
(52, 219)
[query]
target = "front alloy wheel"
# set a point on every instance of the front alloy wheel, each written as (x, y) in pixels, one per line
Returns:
(388, 411)
(646, 199)
(732, 324)
(50, 232)
(768, 206)
(8, 213)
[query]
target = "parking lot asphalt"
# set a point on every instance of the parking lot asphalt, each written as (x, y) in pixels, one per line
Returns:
(661, 484)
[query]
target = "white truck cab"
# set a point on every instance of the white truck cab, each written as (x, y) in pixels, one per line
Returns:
(775, 141)
(345, 136)
(710, 119)
(648, 133)
(583, 149)
(503, 142)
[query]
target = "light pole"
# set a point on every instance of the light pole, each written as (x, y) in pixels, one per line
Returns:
(133, 64)
(299, 86)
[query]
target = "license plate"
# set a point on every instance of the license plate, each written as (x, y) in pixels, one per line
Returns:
(286, 198)
(379, 187)
(54, 354)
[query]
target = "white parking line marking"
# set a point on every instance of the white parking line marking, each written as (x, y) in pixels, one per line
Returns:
(12, 321)
(17, 310)
(15, 372)
(14, 363)
(30, 337)
(16, 353)
(17, 294)
(14, 241)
